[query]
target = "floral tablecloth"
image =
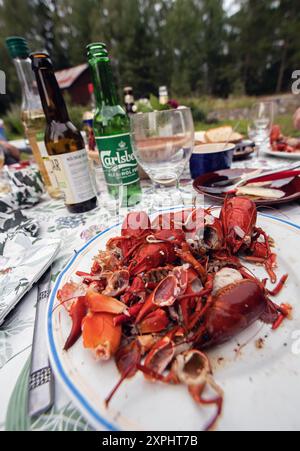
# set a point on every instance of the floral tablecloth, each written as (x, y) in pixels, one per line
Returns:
(17, 330)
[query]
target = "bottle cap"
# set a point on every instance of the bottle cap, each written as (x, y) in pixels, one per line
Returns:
(40, 60)
(163, 90)
(17, 47)
(96, 44)
(96, 49)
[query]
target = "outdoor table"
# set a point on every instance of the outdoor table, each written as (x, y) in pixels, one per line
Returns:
(17, 330)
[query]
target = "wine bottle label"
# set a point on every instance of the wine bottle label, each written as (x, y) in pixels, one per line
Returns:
(129, 99)
(73, 177)
(48, 164)
(117, 159)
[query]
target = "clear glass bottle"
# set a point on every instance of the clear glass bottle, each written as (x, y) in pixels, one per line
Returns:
(129, 102)
(32, 114)
(112, 129)
(63, 140)
(163, 95)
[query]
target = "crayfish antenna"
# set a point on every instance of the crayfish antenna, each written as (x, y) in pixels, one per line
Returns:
(118, 385)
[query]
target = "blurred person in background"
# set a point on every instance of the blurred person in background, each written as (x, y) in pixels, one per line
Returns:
(297, 119)
(11, 153)
(2, 131)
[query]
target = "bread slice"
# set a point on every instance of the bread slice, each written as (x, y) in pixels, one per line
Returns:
(222, 134)
(236, 137)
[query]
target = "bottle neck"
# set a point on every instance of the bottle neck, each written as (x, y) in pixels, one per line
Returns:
(104, 88)
(52, 99)
(30, 95)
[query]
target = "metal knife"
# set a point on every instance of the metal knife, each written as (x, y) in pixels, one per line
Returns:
(41, 380)
(248, 176)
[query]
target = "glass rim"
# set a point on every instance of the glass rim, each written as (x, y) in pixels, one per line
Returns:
(172, 110)
(265, 102)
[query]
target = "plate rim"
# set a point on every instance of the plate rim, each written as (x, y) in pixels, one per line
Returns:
(76, 397)
(284, 155)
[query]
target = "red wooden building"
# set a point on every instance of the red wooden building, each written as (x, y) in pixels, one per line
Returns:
(75, 81)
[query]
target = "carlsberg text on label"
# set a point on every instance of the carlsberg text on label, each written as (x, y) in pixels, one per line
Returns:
(117, 159)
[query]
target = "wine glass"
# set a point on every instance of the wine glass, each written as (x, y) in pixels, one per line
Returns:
(162, 143)
(112, 200)
(260, 123)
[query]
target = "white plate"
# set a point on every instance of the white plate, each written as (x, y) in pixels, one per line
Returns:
(261, 386)
(285, 155)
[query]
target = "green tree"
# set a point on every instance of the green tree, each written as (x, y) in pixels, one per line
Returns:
(16, 18)
(192, 46)
(288, 20)
(183, 38)
(86, 25)
(264, 45)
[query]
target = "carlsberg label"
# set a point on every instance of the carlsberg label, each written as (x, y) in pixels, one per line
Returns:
(117, 159)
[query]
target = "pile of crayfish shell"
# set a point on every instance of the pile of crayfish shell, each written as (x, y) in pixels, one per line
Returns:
(281, 143)
(165, 291)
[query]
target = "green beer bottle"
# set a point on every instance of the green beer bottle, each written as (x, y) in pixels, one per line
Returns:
(112, 129)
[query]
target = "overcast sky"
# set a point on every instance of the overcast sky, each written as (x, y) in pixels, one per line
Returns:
(231, 6)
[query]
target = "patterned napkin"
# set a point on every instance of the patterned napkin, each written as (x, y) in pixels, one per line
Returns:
(24, 257)
(26, 189)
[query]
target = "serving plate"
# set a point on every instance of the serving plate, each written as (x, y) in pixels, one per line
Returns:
(290, 186)
(261, 385)
(285, 155)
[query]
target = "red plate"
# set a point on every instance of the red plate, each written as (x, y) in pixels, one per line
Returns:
(291, 188)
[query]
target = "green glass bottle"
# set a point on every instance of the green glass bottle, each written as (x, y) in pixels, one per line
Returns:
(112, 129)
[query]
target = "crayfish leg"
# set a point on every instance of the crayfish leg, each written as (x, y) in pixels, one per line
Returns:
(77, 313)
(127, 359)
(279, 286)
(196, 391)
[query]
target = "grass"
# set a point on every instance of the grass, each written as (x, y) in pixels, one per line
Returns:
(239, 126)
(201, 107)
(287, 126)
(209, 104)
(284, 120)
(13, 124)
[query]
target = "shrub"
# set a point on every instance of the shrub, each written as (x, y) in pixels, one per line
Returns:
(14, 127)
(13, 124)
(198, 113)
(76, 114)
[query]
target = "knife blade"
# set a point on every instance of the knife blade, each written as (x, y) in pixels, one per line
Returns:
(285, 175)
(256, 174)
(41, 380)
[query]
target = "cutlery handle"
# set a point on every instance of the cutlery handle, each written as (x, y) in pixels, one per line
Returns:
(252, 178)
(39, 352)
(41, 382)
(277, 176)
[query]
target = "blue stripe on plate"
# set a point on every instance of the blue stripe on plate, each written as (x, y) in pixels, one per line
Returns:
(54, 355)
(284, 221)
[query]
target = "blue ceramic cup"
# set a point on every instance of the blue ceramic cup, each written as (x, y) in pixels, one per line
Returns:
(210, 158)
